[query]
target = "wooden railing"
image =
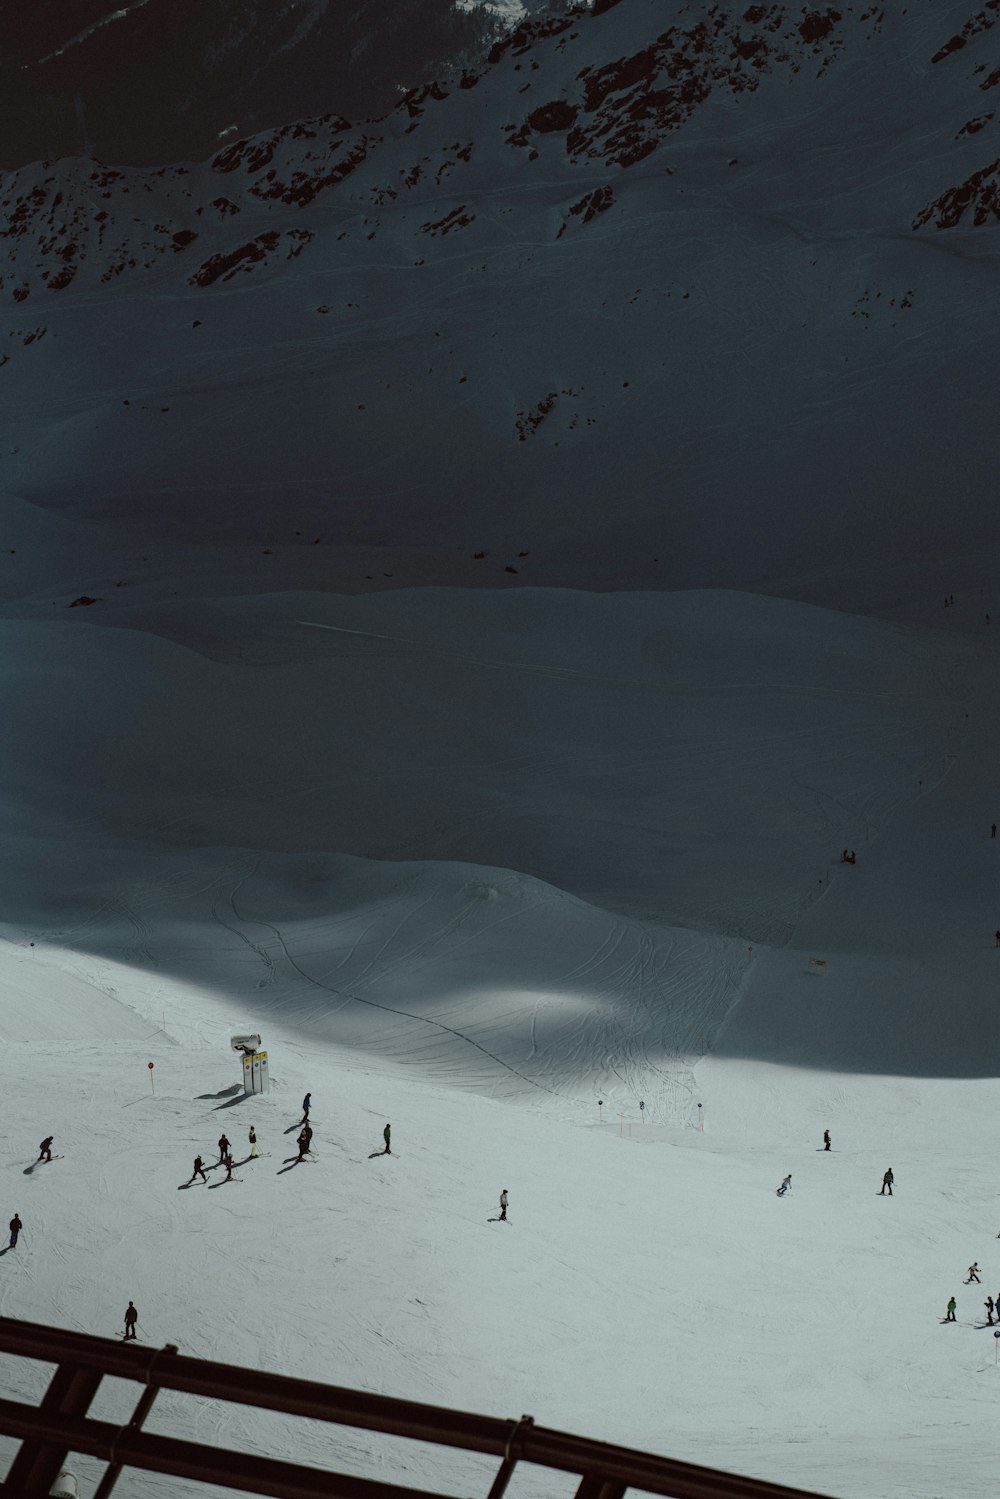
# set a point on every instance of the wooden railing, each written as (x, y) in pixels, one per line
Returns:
(60, 1426)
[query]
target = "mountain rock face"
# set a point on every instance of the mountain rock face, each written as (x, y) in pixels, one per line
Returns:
(703, 290)
(160, 80)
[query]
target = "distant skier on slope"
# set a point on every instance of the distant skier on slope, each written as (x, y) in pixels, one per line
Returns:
(224, 1148)
(198, 1169)
(503, 1206)
(973, 1273)
(15, 1228)
(306, 1106)
(45, 1149)
(785, 1185)
(227, 1161)
(253, 1142)
(989, 1304)
(826, 1139)
(385, 1136)
(131, 1318)
(887, 1181)
(304, 1137)
(952, 1303)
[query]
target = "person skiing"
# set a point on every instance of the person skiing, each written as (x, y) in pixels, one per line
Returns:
(887, 1181)
(45, 1149)
(973, 1273)
(224, 1148)
(503, 1206)
(199, 1169)
(227, 1161)
(997, 936)
(989, 1304)
(785, 1185)
(385, 1136)
(826, 1139)
(993, 830)
(15, 1228)
(952, 1303)
(131, 1318)
(304, 1137)
(306, 1106)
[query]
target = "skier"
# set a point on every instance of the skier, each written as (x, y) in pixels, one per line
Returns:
(45, 1149)
(306, 1106)
(131, 1318)
(385, 1136)
(973, 1273)
(785, 1185)
(993, 830)
(952, 1303)
(199, 1169)
(826, 1139)
(227, 1161)
(989, 1304)
(305, 1134)
(996, 935)
(503, 1206)
(887, 1181)
(15, 1228)
(224, 1148)
(253, 1141)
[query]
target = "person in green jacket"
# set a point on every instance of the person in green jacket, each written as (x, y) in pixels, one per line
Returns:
(951, 1310)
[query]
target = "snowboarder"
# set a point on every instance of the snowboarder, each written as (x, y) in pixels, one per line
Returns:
(131, 1318)
(45, 1149)
(973, 1273)
(826, 1139)
(952, 1303)
(15, 1228)
(503, 1206)
(385, 1136)
(306, 1106)
(253, 1141)
(199, 1169)
(785, 1185)
(224, 1148)
(989, 1304)
(887, 1181)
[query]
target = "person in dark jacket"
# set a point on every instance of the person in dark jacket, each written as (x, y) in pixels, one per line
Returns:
(385, 1136)
(826, 1139)
(199, 1169)
(224, 1148)
(306, 1106)
(887, 1181)
(989, 1304)
(503, 1206)
(45, 1149)
(15, 1228)
(131, 1318)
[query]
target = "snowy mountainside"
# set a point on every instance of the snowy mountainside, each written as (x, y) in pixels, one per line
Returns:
(734, 266)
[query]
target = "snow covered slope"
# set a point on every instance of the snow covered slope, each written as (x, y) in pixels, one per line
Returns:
(693, 295)
(347, 698)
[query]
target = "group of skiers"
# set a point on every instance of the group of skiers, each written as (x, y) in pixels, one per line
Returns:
(887, 1176)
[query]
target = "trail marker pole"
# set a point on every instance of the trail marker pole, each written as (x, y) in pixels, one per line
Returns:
(151, 1083)
(600, 1109)
(701, 1120)
(621, 1125)
(996, 1348)
(642, 1111)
